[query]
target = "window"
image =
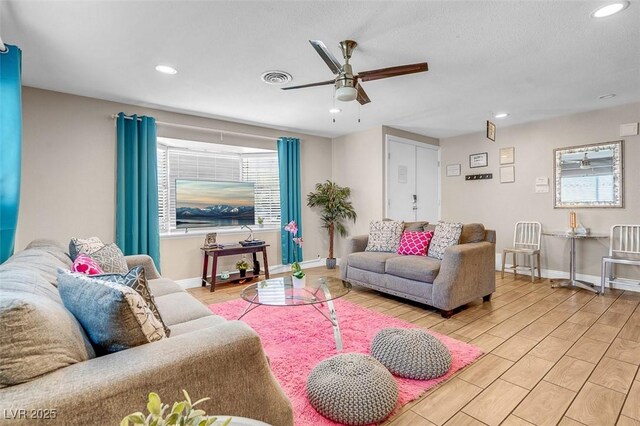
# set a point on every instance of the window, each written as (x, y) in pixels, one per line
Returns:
(205, 161)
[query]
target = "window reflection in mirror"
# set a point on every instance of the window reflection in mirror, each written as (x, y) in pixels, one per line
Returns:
(589, 175)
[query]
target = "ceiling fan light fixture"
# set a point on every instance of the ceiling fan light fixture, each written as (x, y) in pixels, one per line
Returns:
(346, 94)
(610, 9)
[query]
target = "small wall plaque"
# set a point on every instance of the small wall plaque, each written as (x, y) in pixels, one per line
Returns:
(481, 176)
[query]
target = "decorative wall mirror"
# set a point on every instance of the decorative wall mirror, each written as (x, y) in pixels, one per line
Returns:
(589, 175)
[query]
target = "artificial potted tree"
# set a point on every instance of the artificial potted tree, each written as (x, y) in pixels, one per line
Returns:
(333, 200)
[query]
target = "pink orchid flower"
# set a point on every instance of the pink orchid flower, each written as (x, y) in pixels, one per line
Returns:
(291, 227)
(298, 241)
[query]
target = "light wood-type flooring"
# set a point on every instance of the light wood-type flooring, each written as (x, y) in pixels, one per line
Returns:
(552, 356)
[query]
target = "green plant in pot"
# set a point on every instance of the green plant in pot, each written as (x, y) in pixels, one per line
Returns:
(335, 206)
(260, 221)
(181, 413)
(242, 267)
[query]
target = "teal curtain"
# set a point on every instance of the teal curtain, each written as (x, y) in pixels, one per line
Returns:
(10, 147)
(137, 226)
(290, 199)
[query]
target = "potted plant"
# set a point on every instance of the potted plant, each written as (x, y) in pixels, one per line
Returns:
(181, 413)
(333, 200)
(260, 222)
(242, 266)
(298, 274)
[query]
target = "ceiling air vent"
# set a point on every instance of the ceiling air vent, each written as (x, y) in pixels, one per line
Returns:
(276, 77)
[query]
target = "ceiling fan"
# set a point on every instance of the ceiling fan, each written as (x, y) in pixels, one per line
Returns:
(347, 83)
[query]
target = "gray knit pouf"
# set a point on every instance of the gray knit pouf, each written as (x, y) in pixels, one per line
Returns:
(353, 389)
(411, 353)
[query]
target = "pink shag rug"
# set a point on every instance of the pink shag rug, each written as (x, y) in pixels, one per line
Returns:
(297, 338)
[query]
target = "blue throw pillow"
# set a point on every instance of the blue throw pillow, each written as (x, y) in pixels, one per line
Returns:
(114, 316)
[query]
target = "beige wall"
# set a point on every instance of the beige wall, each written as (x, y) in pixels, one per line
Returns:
(68, 174)
(499, 206)
(358, 162)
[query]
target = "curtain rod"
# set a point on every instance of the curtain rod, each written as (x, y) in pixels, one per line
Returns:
(204, 129)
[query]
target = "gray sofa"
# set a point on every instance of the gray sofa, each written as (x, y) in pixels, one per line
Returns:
(206, 354)
(466, 272)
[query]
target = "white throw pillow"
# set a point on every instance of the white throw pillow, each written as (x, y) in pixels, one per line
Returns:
(384, 235)
(447, 234)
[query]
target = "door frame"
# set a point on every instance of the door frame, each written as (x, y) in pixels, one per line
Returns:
(397, 139)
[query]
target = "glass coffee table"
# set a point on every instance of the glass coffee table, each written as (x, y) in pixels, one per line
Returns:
(316, 292)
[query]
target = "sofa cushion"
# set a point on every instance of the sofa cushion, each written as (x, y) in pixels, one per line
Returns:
(42, 260)
(370, 261)
(88, 246)
(419, 268)
(180, 307)
(384, 235)
(111, 259)
(136, 280)
(447, 234)
(37, 334)
(414, 243)
(114, 316)
(196, 324)
(86, 265)
(472, 233)
(161, 286)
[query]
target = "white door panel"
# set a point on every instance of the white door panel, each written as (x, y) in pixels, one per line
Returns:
(413, 181)
(427, 178)
(401, 185)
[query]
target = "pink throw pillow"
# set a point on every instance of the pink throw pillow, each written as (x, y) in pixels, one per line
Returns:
(86, 265)
(415, 243)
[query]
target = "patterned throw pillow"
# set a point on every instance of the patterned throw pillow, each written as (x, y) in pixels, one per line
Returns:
(414, 243)
(447, 234)
(384, 235)
(114, 316)
(86, 265)
(111, 259)
(136, 280)
(84, 245)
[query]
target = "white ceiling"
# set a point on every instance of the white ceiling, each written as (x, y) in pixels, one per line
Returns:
(533, 59)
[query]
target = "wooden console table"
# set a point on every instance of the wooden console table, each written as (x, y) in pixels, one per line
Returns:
(215, 253)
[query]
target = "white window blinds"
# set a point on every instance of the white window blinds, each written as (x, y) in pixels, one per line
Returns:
(262, 170)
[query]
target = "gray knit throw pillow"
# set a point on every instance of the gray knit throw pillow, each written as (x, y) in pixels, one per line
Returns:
(352, 389)
(411, 353)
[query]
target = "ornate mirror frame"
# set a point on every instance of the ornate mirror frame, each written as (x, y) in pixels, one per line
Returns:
(618, 175)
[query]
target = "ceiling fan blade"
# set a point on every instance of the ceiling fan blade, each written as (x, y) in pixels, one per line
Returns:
(363, 98)
(326, 56)
(393, 71)
(302, 86)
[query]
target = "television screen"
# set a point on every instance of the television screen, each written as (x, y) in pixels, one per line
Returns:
(201, 203)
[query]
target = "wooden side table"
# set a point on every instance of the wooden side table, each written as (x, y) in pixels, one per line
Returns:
(215, 253)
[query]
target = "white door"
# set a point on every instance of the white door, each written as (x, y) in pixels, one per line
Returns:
(413, 181)
(427, 184)
(401, 181)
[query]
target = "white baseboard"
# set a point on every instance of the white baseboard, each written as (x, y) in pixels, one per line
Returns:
(620, 283)
(274, 269)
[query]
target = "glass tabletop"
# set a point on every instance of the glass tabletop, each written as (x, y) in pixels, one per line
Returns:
(568, 234)
(280, 291)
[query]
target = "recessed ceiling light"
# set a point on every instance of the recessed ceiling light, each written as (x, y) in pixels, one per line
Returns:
(166, 69)
(501, 115)
(335, 110)
(607, 96)
(610, 9)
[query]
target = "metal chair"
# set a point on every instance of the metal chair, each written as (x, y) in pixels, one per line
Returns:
(624, 249)
(526, 240)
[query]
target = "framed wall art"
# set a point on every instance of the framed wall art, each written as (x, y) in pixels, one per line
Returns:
(507, 155)
(453, 170)
(480, 159)
(491, 131)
